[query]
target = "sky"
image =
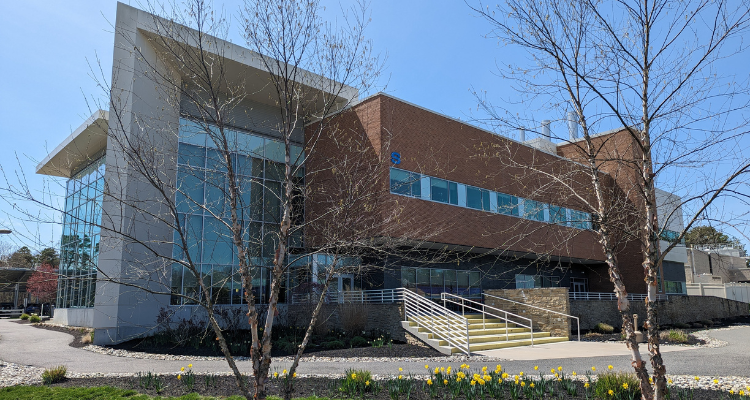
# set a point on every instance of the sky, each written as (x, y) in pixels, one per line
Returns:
(436, 53)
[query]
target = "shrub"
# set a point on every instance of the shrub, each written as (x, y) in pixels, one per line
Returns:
(604, 328)
(622, 384)
(35, 318)
(87, 338)
(707, 323)
(674, 335)
(54, 375)
(25, 316)
(356, 382)
(680, 325)
(359, 341)
(334, 344)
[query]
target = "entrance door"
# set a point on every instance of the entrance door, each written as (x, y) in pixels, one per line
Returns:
(345, 282)
(578, 285)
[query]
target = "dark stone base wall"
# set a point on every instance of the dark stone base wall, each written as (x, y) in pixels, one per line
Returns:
(678, 309)
(366, 317)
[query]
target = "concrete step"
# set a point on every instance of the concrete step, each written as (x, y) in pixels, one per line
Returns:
(496, 338)
(473, 322)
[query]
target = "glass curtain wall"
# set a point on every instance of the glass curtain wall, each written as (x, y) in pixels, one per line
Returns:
(434, 281)
(79, 246)
(203, 210)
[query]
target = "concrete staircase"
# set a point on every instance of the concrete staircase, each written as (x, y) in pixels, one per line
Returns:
(490, 334)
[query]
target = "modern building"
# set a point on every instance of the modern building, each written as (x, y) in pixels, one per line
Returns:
(483, 198)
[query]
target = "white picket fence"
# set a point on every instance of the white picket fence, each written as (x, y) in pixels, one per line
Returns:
(731, 291)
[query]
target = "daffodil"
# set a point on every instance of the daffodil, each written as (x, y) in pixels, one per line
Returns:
(536, 368)
(473, 382)
(586, 385)
(669, 381)
(531, 385)
(520, 373)
(400, 369)
(574, 373)
(400, 377)
(294, 375)
(179, 377)
(593, 369)
(611, 392)
(716, 381)
(481, 382)
(448, 370)
(190, 365)
(283, 372)
(445, 381)
(609, 367)
(354, 376)
(625, 386)
(429, 381)
(426, 366)
(275, 374)
(436, 370)
(742, 392)
(559, 368)
(696, 379)
(505, 375)
(523, 383)
(182, 368)
(367, 383)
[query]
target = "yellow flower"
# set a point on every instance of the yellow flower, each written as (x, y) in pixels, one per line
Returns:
(716, 381)
(275, 374)
(354, 376)
(609, 367)
(498, 367)
(448, 370)
(367, 383)
(559, 379)
(557, 375)
(531, 385)
(611, 392)
(458, 379)
(294, 375)
(400, 369)
(731, 392)
(650, 380)
(481, 381)
(560, 368)
(552, 371)
(625, 386)
(283, 372)
(742, 392)
(669, 381)
(445, 381)
(190, 365)
(574, 373)
(426, 366)
(436, 370)
(520, 373)
(182, 368)
(473, 382)
(442, 370)
(696, 379)
(536, 368)
(429, 381)
(484, 369)
(505, 375)
(400, 376)
(487, 378)
(523, 383)
(179, 377)
(586, 385)
(593, 369)
(499, 380)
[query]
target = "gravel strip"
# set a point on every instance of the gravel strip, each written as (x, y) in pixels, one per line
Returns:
(15, 374)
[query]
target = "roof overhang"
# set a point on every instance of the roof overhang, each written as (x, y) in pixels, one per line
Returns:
(77, 150)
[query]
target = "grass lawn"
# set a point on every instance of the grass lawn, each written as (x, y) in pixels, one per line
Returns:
(108, 393)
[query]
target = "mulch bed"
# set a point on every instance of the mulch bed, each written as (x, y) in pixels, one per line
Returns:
(304, 387)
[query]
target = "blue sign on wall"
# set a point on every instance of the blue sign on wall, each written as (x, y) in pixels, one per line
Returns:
(396, 158)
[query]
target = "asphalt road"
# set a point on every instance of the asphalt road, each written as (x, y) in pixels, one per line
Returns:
(26, 345)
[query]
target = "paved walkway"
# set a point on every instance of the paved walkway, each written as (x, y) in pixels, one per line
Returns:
(26, 345)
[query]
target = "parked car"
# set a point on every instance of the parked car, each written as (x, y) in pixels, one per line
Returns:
(32, 309)
(6, 306)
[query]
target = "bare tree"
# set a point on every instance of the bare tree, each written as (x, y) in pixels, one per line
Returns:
(651, 67)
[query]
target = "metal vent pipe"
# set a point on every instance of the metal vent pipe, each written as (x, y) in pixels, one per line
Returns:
(545, 129)
(572, 126)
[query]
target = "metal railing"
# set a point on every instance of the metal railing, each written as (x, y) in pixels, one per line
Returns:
(11, 313)
(578, 321)
(439, 320)
(611, 296)
(378, 296)
(482, 308)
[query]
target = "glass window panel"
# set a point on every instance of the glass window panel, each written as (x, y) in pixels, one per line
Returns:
(189, 196)
(253, 236)
(423, 280)
(221, 284)
(192, 133)
(275, 171)
(249, 166)
(236, 286)
(451, 285)
(437, 282)
(176, 286)
(507, 204)
(557, 215)
(439, 190)
(477, 198)
(250, 145)
(524, 281)
(275, 151)
(215, 190)
(270, 240)
(408, 277)
(533, 210)
(216, 138)
(217, 242)
(297, 154)
(215, 161)
(406, 183)
(190, 155)
(272, 202)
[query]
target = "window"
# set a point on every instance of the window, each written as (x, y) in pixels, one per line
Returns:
(525, 281)
(671, 236)
(533, 209)
(443, 191)
(558, 215)
(406, 183)
(507, 204)
(580, 219)
(536, 281)
(477, 198)
(675, 287)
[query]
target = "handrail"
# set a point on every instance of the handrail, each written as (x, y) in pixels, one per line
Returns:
(451, 327)
(444, 296)
(611, 296)
(578, 321)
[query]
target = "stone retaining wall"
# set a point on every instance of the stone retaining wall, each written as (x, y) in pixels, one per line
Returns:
(555, 299)
(678, 309)
(351, 317)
